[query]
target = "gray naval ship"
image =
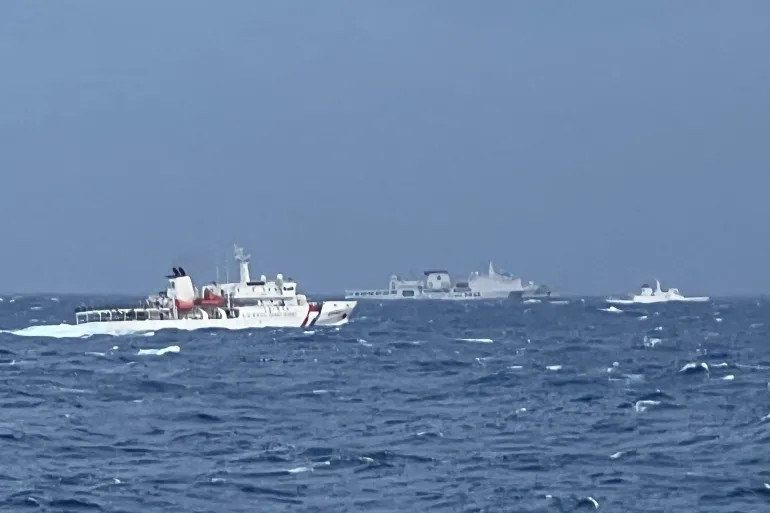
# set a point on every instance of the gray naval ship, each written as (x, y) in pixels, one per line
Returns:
(438, 284)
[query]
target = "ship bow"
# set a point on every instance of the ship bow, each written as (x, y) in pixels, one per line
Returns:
(335, 313)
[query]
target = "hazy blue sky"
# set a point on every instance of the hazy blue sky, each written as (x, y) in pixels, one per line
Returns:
(588, 145)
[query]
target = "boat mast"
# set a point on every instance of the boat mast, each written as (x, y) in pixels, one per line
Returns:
(227, 269)
(243, 260)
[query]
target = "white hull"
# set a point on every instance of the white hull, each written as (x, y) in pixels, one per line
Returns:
(650, 296)
(437, 296)
(439, 285)
(332, 313)
(647, 300)
(245, 304)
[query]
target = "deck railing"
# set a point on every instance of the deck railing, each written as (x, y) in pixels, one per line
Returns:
(84, 314)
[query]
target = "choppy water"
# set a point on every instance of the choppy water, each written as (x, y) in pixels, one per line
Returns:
(411, 407)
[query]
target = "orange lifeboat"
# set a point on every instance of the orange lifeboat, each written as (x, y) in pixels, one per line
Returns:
(210, 299)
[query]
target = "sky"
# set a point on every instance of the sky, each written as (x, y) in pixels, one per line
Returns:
(591, 146)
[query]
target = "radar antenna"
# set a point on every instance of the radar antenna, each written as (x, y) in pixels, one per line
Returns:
(239, 254)
(243, 260)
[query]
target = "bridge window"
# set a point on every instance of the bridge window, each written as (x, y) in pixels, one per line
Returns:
(407, 293)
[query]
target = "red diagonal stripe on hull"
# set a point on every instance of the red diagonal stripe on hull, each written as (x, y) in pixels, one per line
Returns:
(306, 318)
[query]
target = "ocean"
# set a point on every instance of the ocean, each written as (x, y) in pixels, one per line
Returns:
(417, 406)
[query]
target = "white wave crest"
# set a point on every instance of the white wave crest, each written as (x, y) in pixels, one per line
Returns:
(651, 342)
(694, 366)
(159, 352)
(72, 330)
(641, 406)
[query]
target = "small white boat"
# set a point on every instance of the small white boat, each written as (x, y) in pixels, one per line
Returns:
(648, 296)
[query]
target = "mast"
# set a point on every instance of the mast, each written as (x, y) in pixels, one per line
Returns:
(243, 260)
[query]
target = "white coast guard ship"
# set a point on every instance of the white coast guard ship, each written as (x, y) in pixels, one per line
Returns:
(245, 304)
(438, 284)
(648, 295)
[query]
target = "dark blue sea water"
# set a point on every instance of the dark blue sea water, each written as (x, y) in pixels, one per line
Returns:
(411, 407)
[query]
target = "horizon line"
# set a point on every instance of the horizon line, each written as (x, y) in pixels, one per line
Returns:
(342, 293)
